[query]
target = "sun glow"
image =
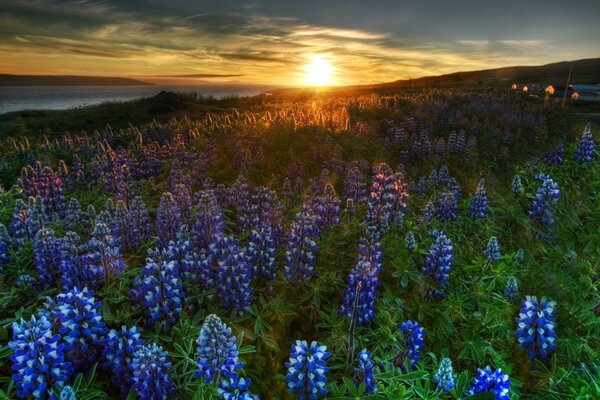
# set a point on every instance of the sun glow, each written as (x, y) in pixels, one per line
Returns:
(319, 72)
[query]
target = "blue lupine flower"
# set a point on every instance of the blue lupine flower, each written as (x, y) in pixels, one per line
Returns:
(428, 212)
(80, 325)
(300, 253)
(478, 208)
(355, 187)
(494, 382)
(444, 376)
(217, 350)
(232, 273)
(544, 202)
(492, 251)
(5, 242)
(536, 327)
(233, 387)
(363, 281)
(150, 366)
(38, 361)
(47, 257)
(447, 207)
(413, 335)
(118, 350)
(74, 215)
(25, 281)
(67, 393)
(307, 370)
(262, 253)
(72, 266)
(585, 147)
(208, 220)
(411, 243)
(440, 258)
(556, 156)
(327, 207)
(366, 372)
(103, 258)
(168, 219)
(511, 291)
(23, 226)
(159, 290)
(517, 186)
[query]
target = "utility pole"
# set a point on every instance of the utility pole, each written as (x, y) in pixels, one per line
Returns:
(567, 87)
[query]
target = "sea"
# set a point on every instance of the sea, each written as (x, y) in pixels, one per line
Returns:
(19, 98)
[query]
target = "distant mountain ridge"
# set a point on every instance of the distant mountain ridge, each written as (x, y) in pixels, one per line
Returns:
(66, 80)
(584, 71)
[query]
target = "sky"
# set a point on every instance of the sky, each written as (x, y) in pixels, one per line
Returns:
(272, 41)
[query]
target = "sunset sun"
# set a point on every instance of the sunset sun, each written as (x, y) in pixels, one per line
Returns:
(319, 72)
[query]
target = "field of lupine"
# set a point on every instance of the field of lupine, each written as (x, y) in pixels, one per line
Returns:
(431, 245)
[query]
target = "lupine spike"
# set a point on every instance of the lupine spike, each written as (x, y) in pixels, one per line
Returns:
(150, 366)
(365, 373)
(492, 251)
(217, 350)
(494, 382)
(444, 376)
(307, 370)
(38, 360)
(478, 209)
(536, 327)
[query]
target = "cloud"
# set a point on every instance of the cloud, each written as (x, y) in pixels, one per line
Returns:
(90, 36)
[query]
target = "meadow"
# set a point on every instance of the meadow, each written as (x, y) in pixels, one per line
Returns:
(427, 244)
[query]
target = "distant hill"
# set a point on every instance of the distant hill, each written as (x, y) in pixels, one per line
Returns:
(66, 80)
(584, 71)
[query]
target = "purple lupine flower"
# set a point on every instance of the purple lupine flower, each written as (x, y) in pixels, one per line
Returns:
(5, 245)
(184, 200)
(103, 257)
(44, 182)
(150, 366)
(478, 209)
(74, 215)
(556, 156)
(355, 187)
(217, 350)
(177, 176)
(585, 147)
(301, 248)
(536, 327)
(118, 349)
(262, 253)
(363, 282)
(24, 225)
(159, 290)
(168, 219)
(494, 382)
(47, 257)
(388, 198)
(447, 207)
(439, 259)
(80, 325)
(233, 274)
(546, 198)
(207, 221)
(307, 370)
(326, 207)
(413, 335)
(72, 263)
(38, 360)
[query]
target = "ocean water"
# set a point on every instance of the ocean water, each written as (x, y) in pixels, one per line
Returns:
(17, 98)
